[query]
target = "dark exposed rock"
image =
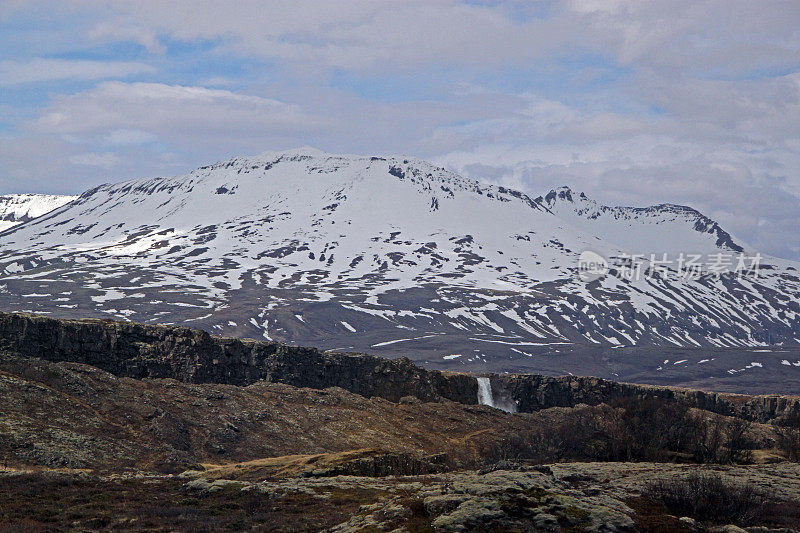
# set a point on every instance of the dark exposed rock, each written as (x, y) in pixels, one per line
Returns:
(149, 351)
(533, 392)
(389, 464)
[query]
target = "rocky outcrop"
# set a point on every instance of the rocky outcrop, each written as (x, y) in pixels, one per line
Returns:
(385, 464)
(533, 392)
(150, 351)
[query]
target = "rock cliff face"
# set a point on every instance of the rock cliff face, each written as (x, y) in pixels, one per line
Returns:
(147, 351)
(533, 392)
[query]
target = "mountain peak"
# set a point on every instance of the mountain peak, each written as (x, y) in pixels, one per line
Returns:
(564, 193)
(308, 151)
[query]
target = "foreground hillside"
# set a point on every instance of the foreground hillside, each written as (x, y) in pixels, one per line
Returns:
(83, 449)
(591, 497)
(182, 431)
(396, 256)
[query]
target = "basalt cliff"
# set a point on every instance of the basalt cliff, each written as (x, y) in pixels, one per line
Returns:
(139, 351)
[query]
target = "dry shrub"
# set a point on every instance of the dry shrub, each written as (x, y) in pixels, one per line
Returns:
(628, 430)
(714, 499)
(788, 437)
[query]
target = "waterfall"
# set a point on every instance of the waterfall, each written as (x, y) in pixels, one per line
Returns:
(485, 392)
(504, 401)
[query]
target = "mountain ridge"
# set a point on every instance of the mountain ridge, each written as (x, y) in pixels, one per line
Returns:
(588, 208)
(306, 153)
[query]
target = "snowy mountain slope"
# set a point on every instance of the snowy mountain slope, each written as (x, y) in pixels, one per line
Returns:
(388, 255)
(334, 218)
(637, 228)
(18, 208)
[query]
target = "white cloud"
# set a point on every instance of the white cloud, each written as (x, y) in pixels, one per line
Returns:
(730, 37)
(37, 70)
(123, 112)
(145, 36)
(106, 160)
(354, 35)
(124, 137)
(708, 37)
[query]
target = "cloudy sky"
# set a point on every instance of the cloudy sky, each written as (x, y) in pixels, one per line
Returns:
(633, 102)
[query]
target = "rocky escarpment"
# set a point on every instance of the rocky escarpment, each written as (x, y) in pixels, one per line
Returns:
(147, 351)
(533, 392)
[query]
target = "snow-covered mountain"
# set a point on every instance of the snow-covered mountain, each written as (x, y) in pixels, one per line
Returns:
(390, 255)
(18, 208)
(635, 228)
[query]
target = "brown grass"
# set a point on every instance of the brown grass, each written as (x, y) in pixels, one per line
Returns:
(37, 502)
(271, 468)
